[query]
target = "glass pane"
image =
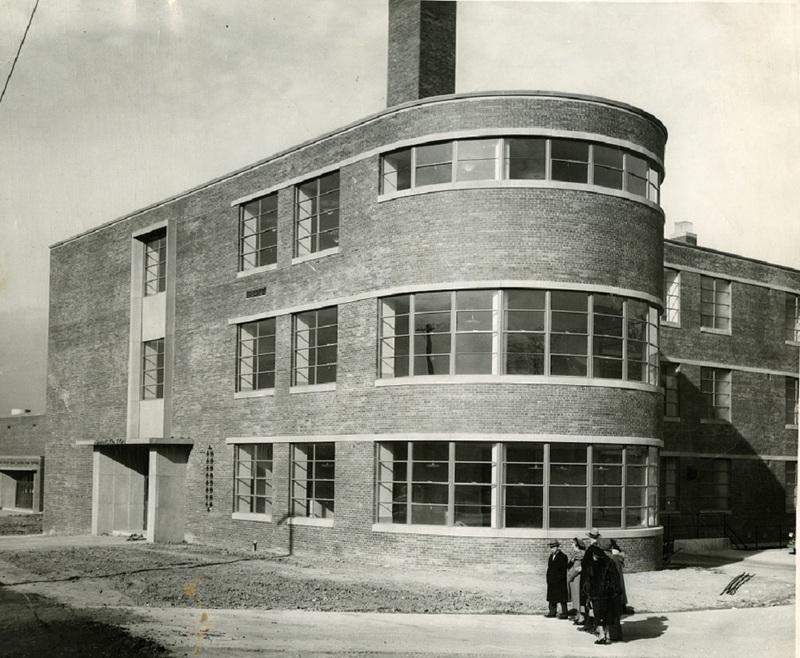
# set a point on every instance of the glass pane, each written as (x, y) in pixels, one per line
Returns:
(567, 453)
(568, 496)
(564, 474)
(607, 518)
(524, 452)
(567, 518)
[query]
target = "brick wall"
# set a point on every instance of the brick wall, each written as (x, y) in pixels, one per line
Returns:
(22, 435)
(439, 238)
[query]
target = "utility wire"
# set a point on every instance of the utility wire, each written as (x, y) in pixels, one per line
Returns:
(19, 50)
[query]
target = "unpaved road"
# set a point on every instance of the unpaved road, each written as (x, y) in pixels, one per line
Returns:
(192, 598)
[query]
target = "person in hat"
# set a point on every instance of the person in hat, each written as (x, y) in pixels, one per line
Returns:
(588, 622)
(605, 591)
(557, 592)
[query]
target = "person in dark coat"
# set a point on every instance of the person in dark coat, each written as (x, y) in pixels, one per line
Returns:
(605, 591)
(557, 592)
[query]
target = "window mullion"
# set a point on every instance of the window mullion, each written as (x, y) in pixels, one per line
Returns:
(412, 331)
(453, 332)
(497, 497)
(546, 492)
(589, 485)
(547, 332)
(590, 336)
(451, 487)
(548, 160)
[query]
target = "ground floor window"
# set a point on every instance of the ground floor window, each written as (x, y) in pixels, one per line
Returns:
(313, 480)
(516, 485)
(253, 478)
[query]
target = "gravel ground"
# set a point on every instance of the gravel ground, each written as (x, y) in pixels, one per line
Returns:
(142, 574)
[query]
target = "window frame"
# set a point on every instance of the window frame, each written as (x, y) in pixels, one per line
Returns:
(309, 237)
(310, 479)
(721, 297)
(670, 382)
(308, 351)
(401, 466)
(246, 482)
(549, 330)
(248, 359)
(792, 400)
(399, 168)
(672, 297)
(792, 318)
(713, 382)
(153, 368)
(265, 239)
(719, 472)
(790, 485)
(669, 491)
(154, 263)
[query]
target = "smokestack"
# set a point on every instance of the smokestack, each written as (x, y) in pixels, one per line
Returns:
(683, 233)
(422, 50)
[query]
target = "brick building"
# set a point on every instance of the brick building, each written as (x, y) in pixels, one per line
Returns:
(432, 334)
(22, 445)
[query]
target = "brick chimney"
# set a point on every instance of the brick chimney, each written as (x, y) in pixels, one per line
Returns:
(683, 233)
(422, 50)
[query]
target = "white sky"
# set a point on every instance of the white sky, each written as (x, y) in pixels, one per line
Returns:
(116, 104)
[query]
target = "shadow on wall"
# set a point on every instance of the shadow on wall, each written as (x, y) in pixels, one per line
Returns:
(710, 492)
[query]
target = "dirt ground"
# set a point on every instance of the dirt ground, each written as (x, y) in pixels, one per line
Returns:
(94, 582)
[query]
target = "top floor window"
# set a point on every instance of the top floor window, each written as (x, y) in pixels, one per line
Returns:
(715, 303)
(258, 233)
(792, 332)
(520, 158)
(155, 262)
(317, 215)
(672, 296)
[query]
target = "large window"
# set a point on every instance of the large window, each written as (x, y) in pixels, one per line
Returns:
(792, 400)
(792, 326)
(518, 332)
(715, 303)
(516, 485)
(714, 476)
(258, 233)
(313, 467)
(153, 369)
(155, 262)
(670, 382)
(315, 342)
(520, 158)
(253, 478)
(715, 388)
(672, 296)
(317, 215)
(256, 355)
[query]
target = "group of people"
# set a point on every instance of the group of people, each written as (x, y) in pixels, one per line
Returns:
(591, 581)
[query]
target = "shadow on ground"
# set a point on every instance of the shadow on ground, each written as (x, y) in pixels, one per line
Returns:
(644, 629)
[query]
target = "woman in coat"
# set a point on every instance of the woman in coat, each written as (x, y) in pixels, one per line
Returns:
(605, 591)
(576, 596)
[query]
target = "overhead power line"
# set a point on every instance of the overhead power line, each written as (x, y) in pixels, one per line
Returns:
(19, 50)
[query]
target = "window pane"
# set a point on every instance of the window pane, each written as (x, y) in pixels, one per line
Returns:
(525, 158)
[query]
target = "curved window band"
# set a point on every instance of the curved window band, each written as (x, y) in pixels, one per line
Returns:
(518, 332)
(516, 485)
(520, 158)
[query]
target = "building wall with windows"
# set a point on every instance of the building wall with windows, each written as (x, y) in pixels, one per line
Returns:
(432, 335)
(730, 430)
(503, 304)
